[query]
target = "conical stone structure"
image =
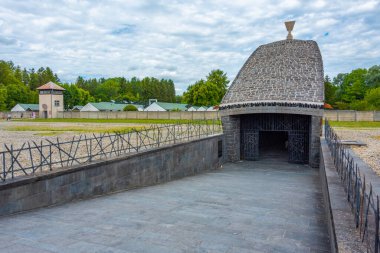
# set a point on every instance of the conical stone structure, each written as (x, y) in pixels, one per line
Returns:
(287, 71)
(281, 82)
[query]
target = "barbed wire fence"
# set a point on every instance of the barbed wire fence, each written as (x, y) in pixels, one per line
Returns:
(360, 195)
(51, 154)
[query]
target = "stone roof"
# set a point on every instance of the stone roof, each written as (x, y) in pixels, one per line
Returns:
(288, 71)
(50, 86)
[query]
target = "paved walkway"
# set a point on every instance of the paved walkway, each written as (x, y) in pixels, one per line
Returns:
(263, 206)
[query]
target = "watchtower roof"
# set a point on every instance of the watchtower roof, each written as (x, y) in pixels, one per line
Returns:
(50, 86)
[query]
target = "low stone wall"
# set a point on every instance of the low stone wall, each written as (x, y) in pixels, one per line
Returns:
(341, 225)
(121, 173)
(141, 115)
(18, 115)
(332, 115)
(347, 115)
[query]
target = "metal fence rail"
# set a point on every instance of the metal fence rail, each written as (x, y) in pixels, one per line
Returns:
(363, 201)
(34, 157)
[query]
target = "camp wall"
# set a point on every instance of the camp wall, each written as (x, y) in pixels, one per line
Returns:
(141, 115)
(333, 115)
(348, 115)
(18, 115)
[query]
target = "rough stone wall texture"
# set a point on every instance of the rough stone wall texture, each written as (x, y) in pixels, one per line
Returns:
(287, 70)
(315, 141)
(231, 130)
(122, 173)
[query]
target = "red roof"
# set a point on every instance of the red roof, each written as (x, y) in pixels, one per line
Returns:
(327, 106)
(50, 86)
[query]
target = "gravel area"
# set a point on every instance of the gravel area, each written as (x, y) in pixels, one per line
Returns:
(76, 148)
(369, 153)
(17, 138)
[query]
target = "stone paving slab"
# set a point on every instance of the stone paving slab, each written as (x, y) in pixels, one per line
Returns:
(263, 206)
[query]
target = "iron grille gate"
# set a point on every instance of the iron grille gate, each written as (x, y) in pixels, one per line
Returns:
(251, 145)
(298, 144)
(297, 127)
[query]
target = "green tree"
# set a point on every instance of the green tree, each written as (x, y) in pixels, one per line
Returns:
(219, 81)
(178, 99)
(209, 92)
(372, 78)
(130, 108)
(373, 99)
(3, 98)
(33, 80)
(359, 105)
(108, 90)
(330, 91)
(16, 93)
(6, 73)
(353, 85)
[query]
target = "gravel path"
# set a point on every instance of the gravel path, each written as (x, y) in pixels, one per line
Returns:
(17, 138)
(370, 153)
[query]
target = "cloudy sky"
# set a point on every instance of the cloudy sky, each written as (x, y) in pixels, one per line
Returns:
(181, 40)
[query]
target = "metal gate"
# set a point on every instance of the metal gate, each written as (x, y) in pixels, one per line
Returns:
(297, 126)
(298, 144)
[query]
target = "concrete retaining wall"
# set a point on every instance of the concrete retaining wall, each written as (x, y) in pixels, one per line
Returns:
(122, 173)
(141, 115)
(341, 225)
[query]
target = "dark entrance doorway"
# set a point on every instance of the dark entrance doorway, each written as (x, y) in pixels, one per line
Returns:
(282, 136)
(273, 144)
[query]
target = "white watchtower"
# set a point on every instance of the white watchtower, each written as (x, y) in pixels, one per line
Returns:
(50, 100)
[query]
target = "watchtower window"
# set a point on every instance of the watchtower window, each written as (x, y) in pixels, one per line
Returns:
(56, 103)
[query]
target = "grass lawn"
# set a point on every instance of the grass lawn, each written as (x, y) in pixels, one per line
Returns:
(140, 121)
(355, 124)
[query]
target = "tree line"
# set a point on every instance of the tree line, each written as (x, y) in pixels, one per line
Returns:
(19, 85)
(357, 90)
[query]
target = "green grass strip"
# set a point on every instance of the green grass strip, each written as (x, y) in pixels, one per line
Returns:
(355, 124)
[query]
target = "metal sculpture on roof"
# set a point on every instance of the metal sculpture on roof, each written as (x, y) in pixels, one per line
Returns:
(289, 27)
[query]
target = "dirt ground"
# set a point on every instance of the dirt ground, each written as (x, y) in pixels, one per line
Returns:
(17, 138)
(370, 136)
(30, 152)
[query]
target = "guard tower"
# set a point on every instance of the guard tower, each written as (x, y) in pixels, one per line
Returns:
(276, 103)
(50, 100)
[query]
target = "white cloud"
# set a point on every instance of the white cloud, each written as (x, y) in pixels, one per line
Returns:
(179, 39)
(326, 22)
(365, 6)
